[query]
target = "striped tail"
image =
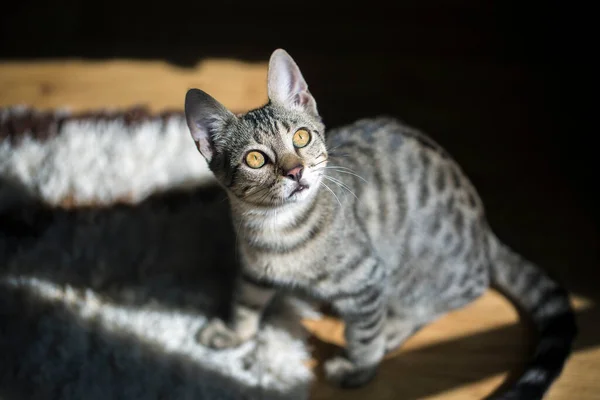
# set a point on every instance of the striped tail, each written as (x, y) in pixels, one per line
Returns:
(548, 305)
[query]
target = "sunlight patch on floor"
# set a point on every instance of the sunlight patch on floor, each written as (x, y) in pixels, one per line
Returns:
(490, 311)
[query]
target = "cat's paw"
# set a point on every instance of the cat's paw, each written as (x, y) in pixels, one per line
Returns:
(216, 335)
(343, 373)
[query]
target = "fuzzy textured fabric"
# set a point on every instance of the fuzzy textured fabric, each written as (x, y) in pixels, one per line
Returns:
(115, 247)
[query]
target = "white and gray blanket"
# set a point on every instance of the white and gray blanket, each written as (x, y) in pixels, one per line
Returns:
(115, 246)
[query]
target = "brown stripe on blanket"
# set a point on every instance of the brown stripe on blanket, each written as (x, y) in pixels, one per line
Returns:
(18, 122)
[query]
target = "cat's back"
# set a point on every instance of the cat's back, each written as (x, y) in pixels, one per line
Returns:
(402, 179)
(380, 135)
(401, 163)
(387, 145)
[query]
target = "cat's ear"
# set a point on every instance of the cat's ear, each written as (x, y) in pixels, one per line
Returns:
(286, 85)
(206, 118)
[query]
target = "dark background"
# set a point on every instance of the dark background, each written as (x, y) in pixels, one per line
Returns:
(507, 87)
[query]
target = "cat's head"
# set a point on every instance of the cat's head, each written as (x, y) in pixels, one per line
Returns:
(270, 156)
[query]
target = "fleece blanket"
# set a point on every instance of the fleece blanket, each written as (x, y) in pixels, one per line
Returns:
(115, 247)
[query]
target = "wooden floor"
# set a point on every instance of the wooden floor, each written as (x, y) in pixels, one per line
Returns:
(465, 355)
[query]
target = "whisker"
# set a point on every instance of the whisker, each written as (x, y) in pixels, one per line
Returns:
(334, 195)
(266, 194)
(334, 155)
(320, 162)
(259, 195)
(338, 166)
(345, 170)
(342, 185)
(336, 147)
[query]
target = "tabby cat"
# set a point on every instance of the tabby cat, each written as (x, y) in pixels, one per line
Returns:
(374, 218)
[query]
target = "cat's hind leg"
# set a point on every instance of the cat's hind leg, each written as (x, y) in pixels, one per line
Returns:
(398, 329)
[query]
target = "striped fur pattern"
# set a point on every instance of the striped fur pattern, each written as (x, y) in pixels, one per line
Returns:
(388, 230)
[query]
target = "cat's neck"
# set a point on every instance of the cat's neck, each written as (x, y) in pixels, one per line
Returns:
(259, 218)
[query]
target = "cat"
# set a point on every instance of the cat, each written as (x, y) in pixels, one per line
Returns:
(374, 218)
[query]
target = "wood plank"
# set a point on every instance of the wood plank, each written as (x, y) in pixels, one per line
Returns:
(82, 85)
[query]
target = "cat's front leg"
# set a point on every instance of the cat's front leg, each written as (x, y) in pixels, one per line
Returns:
(364, 315)
(250, 299)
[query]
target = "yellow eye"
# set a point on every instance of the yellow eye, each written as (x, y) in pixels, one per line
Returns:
(301, 138)
(255, 159)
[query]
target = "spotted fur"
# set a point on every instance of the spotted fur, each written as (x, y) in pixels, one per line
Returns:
(387, 229)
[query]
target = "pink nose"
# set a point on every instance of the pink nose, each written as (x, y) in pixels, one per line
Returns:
(295, 173)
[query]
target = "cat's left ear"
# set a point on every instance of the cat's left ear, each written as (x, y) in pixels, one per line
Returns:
(286, 85)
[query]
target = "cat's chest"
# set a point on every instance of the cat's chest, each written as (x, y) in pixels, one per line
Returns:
(282, 259)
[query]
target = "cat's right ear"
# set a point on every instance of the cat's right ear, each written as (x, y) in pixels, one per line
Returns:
(206, 118)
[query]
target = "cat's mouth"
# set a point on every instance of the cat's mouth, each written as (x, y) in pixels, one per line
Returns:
(299, 189)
